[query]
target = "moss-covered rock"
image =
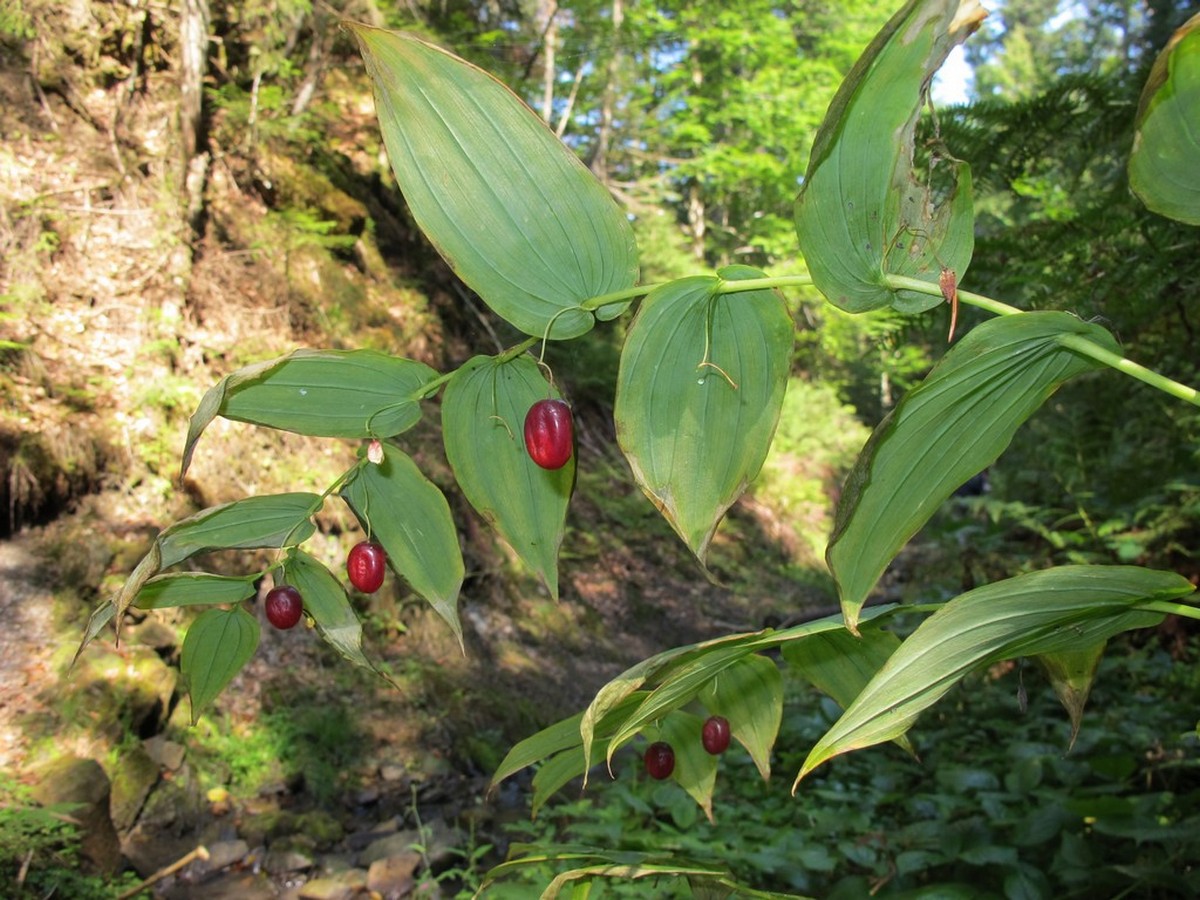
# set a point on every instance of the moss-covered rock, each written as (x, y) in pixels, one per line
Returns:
(79, 787)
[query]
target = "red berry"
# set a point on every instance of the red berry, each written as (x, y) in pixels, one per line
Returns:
(660, 760)
(549, 433)
(284, 606)
(365, 566)
(715, 735)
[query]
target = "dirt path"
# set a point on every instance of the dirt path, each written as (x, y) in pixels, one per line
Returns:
(27, 642)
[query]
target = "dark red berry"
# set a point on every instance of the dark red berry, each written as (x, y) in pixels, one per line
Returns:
(284, 606)
(660, 760)
(365, 566)
(549, 433)
(715, 735)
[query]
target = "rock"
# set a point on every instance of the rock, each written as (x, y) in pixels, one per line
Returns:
(391, 771)
(361, 839)
(394, 877)
(322, 829)
(156, 635)
(134, 778)
(221, 855)
(166, 829)
(229, 886)
(167, 754)
(280, 862)
(391, 845)
(81, 785)
(326, 889)
(125, 691)
(265, 826)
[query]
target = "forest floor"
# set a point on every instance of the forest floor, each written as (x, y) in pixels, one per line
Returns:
(116, 318)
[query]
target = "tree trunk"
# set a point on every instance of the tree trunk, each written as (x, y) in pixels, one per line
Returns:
(609, 100)
(546, 15)
(193, 40)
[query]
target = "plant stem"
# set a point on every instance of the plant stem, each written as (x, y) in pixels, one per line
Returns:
(429, 388)
(1080, 344)
(904, 283)
(591, 304)
(760, 284)
(1076, 342)
(1170, 608)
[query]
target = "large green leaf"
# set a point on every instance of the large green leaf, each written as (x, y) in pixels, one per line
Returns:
(750, 695)
(952, 425)
(273, 520)
(560, 736)
(703, 881)
(216, 647)
(194, 589)
(176, 589)
(681, 671)
(678, 687)
(840, 664)
(861, 215)
(483, 420)
(326, 601)
(699, 392)
(408, 514)
(1038, 613)
(512, 210)
(325, 393)
(1166, 139)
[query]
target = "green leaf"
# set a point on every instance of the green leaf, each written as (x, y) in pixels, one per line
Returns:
(839, 664)
(216, 647)
(699, 393)
(948, 428)
(561, 746)
(1166, 138)
(274, 520)
(512, 210)
(560, 736)
(324, 393)
(1034, 614)
(101, 616)
(408, 514)
(193, 589)
(326, 601)
(1071, 674)
(695, 768)
(750, 695)
(483, 421)
(677, 688)
(861, 215)
(681, 671)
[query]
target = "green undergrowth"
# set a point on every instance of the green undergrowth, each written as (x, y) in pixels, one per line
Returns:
(997, 805)
(39, 851)
(300, 738)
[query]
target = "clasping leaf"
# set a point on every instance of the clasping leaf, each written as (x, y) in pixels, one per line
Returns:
(861, 215)
(513, 211)
(699, 394)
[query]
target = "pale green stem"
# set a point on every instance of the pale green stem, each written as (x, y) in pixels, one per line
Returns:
(623, 296)
(1076, 342)
(723, 287)
(903, 283)
(1166, 606)
(1080, 344)
(429, 388)
(761, 284)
